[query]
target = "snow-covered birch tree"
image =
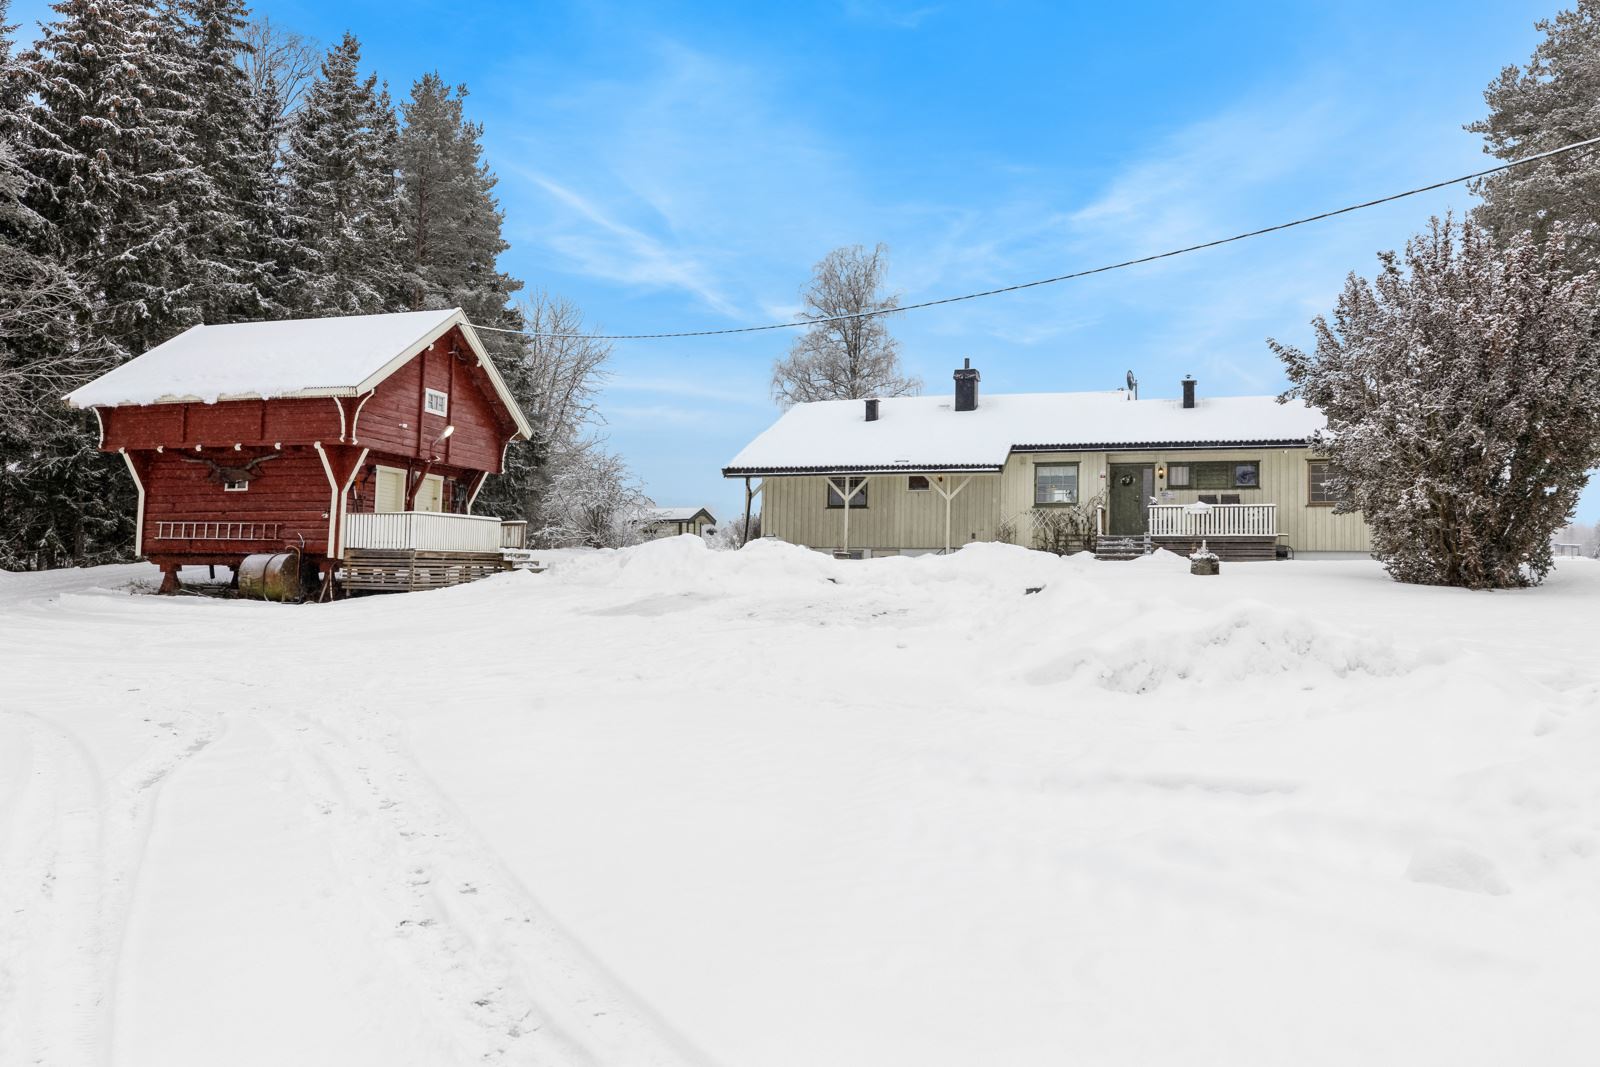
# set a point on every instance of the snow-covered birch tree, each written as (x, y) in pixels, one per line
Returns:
(848, 352)
(1462, 392)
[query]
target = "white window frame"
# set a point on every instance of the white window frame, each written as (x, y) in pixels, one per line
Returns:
(443, 399)
(925, 487)
(1077, 485)
(235, 487)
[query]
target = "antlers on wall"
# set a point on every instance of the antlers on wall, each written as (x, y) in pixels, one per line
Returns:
(231, 474)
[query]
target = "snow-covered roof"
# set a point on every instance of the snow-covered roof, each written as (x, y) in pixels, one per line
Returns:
(336, 356)
(673, 514)
(927, 433)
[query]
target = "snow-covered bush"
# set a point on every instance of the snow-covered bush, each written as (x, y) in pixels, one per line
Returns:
(592, 500)
(1066, 528)
(730, 534)
(1462, 390)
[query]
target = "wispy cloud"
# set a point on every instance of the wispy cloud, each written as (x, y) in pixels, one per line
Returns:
(599, 245)
(691, 174)
(895, 16)
(686, 388)
(650, 415)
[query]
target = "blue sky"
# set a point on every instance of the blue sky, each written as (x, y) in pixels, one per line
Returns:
(682, 166)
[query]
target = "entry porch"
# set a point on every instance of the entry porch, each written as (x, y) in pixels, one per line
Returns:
(395, 551)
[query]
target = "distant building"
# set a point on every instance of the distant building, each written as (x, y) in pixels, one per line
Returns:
(931, 473)
(670, 522)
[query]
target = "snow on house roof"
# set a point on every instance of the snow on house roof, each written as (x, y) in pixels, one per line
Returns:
(672, 514)
(926, 433)
(336, 356)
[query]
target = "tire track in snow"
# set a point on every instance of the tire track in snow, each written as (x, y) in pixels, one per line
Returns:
(67, 881)
(515, 987)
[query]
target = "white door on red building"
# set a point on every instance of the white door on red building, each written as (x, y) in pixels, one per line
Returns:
(430, 494)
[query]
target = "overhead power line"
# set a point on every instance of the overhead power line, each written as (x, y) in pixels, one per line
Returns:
(799, 323)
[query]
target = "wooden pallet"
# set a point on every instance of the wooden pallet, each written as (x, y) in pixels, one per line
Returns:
(370, 570)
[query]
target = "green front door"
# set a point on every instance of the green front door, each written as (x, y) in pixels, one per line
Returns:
(1131, 487)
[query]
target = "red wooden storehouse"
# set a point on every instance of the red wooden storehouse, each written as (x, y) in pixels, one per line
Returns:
(353, 444)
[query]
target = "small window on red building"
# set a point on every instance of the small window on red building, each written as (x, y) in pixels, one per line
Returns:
(436, 403)
(235, 487)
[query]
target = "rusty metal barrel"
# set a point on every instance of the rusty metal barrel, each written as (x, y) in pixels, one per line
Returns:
(272, 576)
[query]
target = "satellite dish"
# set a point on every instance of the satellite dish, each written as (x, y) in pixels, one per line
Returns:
(1133, 386)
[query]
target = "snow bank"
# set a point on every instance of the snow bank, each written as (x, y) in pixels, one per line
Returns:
(674, 806)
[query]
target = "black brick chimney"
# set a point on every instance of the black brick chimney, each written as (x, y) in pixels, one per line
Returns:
(966, 387)
(1188, 391)
(872, 410)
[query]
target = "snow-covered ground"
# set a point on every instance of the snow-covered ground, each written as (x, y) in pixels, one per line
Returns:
(764, 809)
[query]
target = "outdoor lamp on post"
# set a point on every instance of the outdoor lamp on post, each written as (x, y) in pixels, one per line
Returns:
(443, 435)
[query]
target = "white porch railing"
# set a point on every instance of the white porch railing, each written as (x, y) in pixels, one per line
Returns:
(1222, 520)
(422, 531)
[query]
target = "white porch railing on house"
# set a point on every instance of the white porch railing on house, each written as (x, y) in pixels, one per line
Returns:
(1222, 520)
(422, 531)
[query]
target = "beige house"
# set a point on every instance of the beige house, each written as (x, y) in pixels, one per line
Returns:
(670, 522)
(931, 473)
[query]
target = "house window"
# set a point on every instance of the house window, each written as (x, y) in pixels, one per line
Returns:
(235, 487)
(858, 500)
(1055, 483)
(436, 403)
(1242, 475)
(918, 483)
(1320, 492)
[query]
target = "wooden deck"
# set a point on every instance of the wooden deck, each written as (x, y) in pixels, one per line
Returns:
(380, 570)
(399, 551)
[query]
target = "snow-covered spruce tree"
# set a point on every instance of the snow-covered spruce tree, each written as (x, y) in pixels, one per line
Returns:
(230, 242)
(97, 130)
(1462, 391)
(1544, 105)
(845, 358)
(101, 132)
(342, 203)
(451, 220)
(40, 306)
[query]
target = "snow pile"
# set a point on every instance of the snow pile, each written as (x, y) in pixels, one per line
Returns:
(1170, 644)
(674, 806)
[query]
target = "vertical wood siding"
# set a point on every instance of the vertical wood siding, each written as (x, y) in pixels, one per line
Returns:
(793, 508)
(895, 517)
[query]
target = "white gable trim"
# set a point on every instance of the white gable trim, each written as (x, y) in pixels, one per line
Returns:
(458, 318)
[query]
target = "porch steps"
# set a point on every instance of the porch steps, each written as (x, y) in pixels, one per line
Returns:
(375, 570)
(1122, 548)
